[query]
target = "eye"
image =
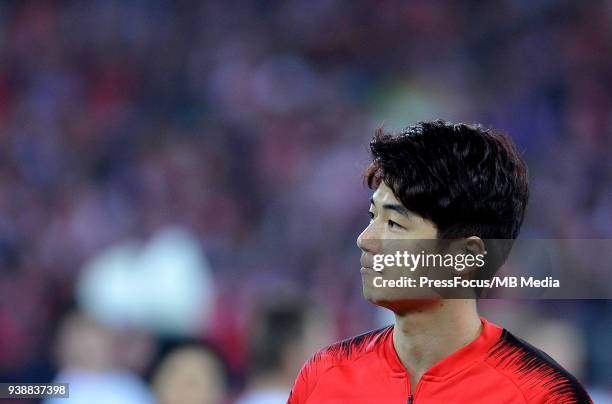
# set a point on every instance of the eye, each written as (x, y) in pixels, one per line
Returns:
(371, 215)
(393, 224)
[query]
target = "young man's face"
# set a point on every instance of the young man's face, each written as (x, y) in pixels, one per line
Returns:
(391, 225)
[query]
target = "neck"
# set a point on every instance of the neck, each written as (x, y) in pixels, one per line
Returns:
(425, 336)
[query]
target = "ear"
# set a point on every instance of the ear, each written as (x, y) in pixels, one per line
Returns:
(474, 245)
(470, 245)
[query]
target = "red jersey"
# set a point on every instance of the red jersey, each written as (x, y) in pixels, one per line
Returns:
(496, 367)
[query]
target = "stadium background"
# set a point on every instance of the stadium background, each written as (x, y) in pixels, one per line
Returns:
(235, 133)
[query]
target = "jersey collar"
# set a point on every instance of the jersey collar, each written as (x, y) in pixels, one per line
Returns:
(473, 352)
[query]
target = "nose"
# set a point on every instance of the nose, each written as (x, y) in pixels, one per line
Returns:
(368, 241)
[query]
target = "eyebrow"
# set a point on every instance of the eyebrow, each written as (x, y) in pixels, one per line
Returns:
(393, 206)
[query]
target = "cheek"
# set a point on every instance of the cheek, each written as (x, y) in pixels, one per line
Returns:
(425, 230)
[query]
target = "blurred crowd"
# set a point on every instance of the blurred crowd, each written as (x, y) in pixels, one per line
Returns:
(245, 124)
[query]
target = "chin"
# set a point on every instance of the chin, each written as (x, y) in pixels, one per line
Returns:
(372, 294)
(401, 305)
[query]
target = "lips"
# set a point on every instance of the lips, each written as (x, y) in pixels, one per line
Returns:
(367, 270)
(365, 263)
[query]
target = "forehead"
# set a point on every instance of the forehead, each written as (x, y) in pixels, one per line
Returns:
(384, 194)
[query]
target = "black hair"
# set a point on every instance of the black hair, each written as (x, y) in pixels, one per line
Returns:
(467, 180)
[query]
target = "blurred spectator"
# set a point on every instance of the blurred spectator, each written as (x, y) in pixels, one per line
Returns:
(190, 374)
(163, 285)
(87, 356)
(284, 334)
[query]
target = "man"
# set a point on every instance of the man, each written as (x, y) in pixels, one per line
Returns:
(460, 186)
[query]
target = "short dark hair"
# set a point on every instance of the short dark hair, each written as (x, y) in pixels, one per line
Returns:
(469, 181)
(278, 324)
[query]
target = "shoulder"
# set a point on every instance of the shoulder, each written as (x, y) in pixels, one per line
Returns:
(346, 351)
(339, 354)
(539, 377)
